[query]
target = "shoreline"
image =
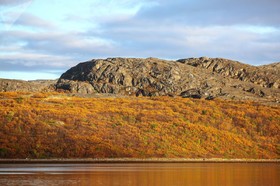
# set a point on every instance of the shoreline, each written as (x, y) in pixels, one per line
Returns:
(134, 160)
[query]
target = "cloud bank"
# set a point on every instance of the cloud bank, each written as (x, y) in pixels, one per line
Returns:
(248, 31)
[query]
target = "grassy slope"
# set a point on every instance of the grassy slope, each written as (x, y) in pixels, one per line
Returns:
(56, 126)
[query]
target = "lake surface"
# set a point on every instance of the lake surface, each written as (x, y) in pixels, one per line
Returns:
(137, 174)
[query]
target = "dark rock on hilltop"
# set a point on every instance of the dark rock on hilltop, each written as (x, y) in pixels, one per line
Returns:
(265, 76)
(193, 77)
(139, 77)
(123, 76)
(191, 93)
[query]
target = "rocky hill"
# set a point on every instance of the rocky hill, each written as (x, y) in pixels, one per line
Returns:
(194, 77)
(8, 85)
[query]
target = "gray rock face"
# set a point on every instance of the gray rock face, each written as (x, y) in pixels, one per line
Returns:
(265, 76)
(194, 77)
(191, 93)
(7, 85)
(145, 77)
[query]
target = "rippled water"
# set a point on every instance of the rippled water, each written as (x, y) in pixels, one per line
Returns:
(224, 174)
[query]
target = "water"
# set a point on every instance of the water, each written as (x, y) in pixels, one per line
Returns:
(169, 174)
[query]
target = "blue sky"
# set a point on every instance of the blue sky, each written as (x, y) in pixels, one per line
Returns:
(41, 39)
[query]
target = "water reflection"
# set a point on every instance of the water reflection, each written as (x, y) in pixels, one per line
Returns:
(252, 174)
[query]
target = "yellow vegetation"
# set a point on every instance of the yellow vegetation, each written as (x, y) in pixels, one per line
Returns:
(52, 125)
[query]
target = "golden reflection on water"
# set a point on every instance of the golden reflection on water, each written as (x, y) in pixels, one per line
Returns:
(194, 174)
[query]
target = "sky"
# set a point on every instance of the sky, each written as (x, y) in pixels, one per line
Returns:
(40, 39)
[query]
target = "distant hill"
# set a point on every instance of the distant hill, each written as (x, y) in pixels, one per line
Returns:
(9, 85)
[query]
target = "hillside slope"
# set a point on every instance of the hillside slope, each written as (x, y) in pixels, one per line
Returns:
(55, 125)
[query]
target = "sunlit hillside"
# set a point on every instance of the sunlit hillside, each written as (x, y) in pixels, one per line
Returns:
(53, 125)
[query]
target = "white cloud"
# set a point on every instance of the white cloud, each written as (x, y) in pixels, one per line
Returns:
(34, 22)
(13, 2)
(75, 31)
(10, 14)
(32, 59)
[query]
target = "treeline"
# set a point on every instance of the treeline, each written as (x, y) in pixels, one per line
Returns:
(53, 125)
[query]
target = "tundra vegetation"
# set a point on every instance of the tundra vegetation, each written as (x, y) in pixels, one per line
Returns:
(58, 125)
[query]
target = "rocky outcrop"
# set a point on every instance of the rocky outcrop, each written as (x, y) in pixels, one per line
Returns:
(8, 85)
(147, 77)
(189, 78)
(139, 77)
(265, 76)
(194, 77)
(191, 93)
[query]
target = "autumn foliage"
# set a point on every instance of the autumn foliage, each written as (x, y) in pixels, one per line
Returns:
(53, 125)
